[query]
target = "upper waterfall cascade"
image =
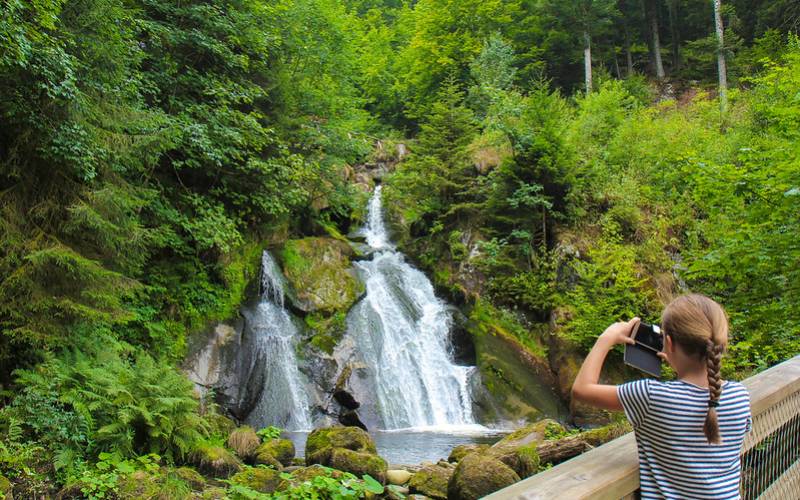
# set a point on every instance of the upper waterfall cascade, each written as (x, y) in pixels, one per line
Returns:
(400, 331)
(283, 400)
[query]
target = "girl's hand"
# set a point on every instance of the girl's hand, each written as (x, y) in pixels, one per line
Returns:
(620, 333)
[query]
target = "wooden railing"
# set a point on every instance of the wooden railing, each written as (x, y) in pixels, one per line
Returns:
(770, 454)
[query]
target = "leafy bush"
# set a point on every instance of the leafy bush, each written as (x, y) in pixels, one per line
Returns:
(112, 402)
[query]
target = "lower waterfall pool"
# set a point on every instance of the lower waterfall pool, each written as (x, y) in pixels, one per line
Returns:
(417, 445)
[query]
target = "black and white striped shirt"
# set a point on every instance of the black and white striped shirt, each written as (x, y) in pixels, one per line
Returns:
(675, 459)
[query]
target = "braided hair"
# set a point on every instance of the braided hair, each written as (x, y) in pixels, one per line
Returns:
(700, 326)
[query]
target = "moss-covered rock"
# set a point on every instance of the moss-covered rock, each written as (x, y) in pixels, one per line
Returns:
(304, 474)
(214, 493)
(358, 463)
(319, 274)
(517, 374)
(518, 450)
(477, 476)
(6, 488)
(321, 441)
(191, 477)
(463, 450)
(261, 479)
(432, 480)
(139, 484)
(216, 461)
(280, 449)
(244, 441)
(266, 458)
(219, 425)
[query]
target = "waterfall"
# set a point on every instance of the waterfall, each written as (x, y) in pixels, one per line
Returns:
(401, 333)
(283, 401)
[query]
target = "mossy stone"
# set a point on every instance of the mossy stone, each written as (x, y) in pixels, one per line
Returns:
(219, 424)
(214, 493)
(319, 275)
(358, 463)
(518, 449)
(191, 477)
(139, 484)
(432, 481)
(533, 433)
(261, 479)
(304, 474)
(281, 449)
(244, 441)
(6, 488)
(216, 461)
(479, 475)
(462, 450)
(266, 458)
(321, 441)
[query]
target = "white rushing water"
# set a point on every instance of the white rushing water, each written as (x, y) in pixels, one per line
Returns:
(283, 401)
(401, 333)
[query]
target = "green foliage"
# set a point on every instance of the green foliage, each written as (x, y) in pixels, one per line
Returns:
(331, 484)
(111, 403)
(102, 480)
(270, 432)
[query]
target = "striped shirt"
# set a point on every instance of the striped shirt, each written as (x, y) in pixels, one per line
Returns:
(675, 459)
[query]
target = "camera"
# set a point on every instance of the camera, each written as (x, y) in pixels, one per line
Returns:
(643, 354)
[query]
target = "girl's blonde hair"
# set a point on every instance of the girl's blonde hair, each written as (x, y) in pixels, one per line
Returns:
(700, 326)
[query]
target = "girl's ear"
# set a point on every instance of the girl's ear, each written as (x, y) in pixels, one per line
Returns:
(669, 345)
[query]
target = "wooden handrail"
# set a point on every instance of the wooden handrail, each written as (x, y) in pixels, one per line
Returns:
(611, 471)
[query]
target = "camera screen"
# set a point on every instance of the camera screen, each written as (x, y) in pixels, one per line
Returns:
(649, 336)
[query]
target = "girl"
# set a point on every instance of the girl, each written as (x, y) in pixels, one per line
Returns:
(689, 432)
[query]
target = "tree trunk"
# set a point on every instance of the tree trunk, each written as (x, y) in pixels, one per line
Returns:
(587, 60)
(616, 66)
(675, 30)
(721, 65)
(652, 15)
(628, 55)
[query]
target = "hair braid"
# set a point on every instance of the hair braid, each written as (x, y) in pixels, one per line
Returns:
(713, 359)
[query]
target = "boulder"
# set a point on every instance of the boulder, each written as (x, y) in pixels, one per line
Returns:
(191, 477)
(219, 424)
(463, 450)
(244, 441)
(266, 458)
(349, 449)
(318, 272)
(214, 493)
(397, 477)
(321, 441)
(216, 461)
(358, 463)
(479, 475)
(518, 450)
(304, 474)
(281, 449)
(432, 480)
(261, 479)
(139, 484)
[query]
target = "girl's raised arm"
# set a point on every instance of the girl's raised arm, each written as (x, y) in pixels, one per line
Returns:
(586, 388)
